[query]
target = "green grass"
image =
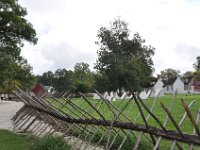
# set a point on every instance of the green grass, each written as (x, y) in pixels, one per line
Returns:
(13, 141)
(177, 112)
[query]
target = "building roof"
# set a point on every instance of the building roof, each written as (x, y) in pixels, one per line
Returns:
(38, 87)
(152, 83)
(186, 80)
(169, 81)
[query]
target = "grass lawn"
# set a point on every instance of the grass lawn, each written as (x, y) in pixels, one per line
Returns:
(12, 141)
(177, 112)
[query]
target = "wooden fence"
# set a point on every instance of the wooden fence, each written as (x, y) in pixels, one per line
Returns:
(103, 124)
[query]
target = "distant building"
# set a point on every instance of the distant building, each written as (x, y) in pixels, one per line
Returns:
(157, 88)
(40, 90)
(191, 84)
(188, 83)
(173, 84)
(196, 86)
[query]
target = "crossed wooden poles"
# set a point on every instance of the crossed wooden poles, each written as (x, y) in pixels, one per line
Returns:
(92, 127)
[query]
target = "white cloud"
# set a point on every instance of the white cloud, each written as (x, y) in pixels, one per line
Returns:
(67, 30)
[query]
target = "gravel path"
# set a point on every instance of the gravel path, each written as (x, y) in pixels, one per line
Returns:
(7, 110)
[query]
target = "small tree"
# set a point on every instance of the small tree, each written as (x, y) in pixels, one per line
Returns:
(125, 62)
(83, 78)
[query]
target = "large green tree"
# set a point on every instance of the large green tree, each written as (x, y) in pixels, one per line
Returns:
(126, 62)
(14, 30)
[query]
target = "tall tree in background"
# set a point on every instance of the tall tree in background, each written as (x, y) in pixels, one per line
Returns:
(14, 30)
(81, 70)
(126, 62)
(63, 80)
(197, 64)
(83, 78)
(47, 78)
(188, 74)
(79, 80)
(169, 73)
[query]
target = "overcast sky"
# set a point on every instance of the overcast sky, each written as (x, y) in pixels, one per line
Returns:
(67, 30)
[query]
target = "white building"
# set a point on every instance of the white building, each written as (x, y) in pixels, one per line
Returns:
(173, 84)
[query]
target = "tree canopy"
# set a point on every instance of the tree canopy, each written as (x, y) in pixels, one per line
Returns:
(83, 78)
(188, 74)
(126, 62)
(80, 79)
(14, 30)
(169, 73)
(63, 80)
(14, 73)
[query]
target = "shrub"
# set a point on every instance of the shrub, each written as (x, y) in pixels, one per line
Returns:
(50, 143)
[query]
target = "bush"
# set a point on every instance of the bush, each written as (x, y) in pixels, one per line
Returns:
(50, 143)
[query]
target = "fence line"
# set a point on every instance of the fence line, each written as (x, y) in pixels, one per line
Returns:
(103, 124)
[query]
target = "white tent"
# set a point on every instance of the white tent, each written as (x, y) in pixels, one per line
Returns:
(123, 96)
(116, 96)
(145, 94)
(105, 95)
(111, 96)
(96, 96)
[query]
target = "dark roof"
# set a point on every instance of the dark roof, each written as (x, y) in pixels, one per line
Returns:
(152, 82)
(186, 80)
(165, 82)
(170, 81)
